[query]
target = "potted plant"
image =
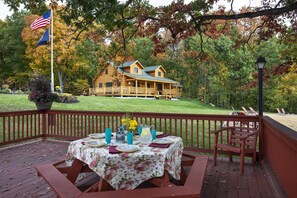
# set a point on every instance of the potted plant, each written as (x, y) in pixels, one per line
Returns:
(40, 92)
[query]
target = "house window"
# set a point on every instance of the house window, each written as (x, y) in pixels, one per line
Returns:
(159, 73)
(134, 84)
(100, 85)
(106, 71)
(108, 84)
(148, 85)
(136, 70)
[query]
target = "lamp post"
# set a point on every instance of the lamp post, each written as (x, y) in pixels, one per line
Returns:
(260, 63)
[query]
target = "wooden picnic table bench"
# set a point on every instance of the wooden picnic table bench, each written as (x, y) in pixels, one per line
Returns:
(66, 188)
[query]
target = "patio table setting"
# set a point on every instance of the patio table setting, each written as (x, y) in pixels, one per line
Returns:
(126, 164)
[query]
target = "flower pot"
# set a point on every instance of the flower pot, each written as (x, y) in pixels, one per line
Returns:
(44, 106)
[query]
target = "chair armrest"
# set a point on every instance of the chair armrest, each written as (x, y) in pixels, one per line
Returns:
(222, 129)
(248, 135)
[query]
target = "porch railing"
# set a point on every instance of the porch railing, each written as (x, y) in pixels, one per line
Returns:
(195, 129)
(280, 150)
(21, 125)
(277, 143)
(128, 90)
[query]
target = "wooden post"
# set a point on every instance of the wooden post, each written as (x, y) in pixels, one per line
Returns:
(154, 88)
(136, 88)
(121, 91)
(145, 84)
(44, 124)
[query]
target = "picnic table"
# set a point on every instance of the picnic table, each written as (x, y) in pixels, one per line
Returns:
(127, 170)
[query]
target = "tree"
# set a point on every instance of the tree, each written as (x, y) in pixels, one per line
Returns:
(285, 94)
(67, 63)
(14, 68)
(180, 19)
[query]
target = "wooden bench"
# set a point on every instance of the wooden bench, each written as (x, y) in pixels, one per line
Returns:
(65, 188)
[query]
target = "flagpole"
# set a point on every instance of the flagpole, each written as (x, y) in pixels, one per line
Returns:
(52, 50)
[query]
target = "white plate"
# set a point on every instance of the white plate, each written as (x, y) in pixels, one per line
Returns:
(127, 148)
(95, 143)
(136, 142)
(97, 135)
(159, 133)
(162, 141)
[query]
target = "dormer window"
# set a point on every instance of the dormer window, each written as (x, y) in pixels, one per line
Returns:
(106, 71)
(159, 73)
(136, 70)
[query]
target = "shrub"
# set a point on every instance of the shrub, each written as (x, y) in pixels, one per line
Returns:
(19, 92)
(66, 98)
(40, 90)
(5, 89)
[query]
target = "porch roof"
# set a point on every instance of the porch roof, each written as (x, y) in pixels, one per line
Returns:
(145, 76)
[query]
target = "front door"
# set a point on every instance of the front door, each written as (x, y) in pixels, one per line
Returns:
(159, 88)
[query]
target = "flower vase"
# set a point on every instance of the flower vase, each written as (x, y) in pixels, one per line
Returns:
(44, 106)
(120, 136)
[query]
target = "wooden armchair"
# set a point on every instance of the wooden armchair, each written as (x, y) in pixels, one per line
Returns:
(235, 140)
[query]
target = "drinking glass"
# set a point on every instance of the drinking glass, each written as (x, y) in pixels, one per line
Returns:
(139, 130)
(130, 137)
(154, 133)
(108, 135)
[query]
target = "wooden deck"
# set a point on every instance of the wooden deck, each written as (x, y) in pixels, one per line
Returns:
(18, 176)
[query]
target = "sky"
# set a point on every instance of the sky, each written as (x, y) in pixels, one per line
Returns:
(4, 10)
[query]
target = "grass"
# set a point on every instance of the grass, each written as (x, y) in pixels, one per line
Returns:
(10, 102)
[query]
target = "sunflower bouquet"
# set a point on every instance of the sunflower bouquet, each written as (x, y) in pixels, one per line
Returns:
(128, 123)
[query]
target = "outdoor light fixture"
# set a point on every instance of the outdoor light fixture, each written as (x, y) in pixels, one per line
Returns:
(260, 63)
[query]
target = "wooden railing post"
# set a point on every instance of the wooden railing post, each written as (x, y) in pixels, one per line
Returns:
(43, 125)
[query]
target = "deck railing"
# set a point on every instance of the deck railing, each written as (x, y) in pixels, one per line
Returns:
(21, 125)
(194, 129)
(280, 150)
(277, 143)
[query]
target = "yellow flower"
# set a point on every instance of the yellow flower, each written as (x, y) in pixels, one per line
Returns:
(128, 123)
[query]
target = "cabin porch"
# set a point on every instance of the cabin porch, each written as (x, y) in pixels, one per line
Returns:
(139, 88)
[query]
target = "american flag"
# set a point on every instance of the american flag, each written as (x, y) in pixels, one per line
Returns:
(41, 21)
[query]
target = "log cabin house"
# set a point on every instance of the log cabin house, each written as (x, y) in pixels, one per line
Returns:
(134, 80)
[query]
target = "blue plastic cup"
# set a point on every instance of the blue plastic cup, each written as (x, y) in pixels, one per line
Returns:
(139, 130)
(108, 135)
(154, 133)
(130, 138)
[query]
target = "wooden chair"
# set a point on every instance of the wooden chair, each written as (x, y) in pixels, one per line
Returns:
(283, 111)
(253, 111)
(279, 111)
(242, 141)
(245, 111)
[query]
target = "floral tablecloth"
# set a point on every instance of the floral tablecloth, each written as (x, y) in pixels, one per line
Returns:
(128, 170)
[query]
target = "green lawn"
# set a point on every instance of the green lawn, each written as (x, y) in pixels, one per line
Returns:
(10, 102)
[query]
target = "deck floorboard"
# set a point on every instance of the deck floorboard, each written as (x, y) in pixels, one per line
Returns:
(18, 176)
